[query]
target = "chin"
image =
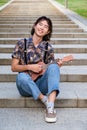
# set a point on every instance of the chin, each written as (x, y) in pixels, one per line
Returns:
(40, 35)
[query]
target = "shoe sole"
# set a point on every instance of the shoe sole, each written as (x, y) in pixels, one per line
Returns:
(50, 120)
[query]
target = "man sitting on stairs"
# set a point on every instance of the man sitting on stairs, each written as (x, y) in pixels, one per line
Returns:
(30, 58)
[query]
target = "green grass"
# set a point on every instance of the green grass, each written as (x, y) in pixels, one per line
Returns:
(2, 2)
(78, 6)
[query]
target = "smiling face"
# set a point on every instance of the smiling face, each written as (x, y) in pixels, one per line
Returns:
(41, 28)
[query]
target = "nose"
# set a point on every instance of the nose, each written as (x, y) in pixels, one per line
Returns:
(42, 27)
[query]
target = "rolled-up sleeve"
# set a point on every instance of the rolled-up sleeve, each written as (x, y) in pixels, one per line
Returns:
(17, 50)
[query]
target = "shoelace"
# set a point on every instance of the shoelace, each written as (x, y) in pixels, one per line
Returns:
(51, 110)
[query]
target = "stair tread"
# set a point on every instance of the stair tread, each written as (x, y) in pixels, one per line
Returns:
(52, 33)
(51, 39)
(74, 94)
(64, 69)
(70, 92)
(5, 24)
(57, 55)
(69, 46)
(33, 119)
(54, 46)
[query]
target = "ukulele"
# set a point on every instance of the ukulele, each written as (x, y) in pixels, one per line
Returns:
(35, 75)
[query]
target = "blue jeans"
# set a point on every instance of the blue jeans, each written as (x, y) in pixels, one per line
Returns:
(45, 85)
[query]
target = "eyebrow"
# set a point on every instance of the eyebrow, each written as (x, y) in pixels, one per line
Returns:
(45, 25)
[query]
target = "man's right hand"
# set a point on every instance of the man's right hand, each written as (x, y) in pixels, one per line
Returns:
(35, 68)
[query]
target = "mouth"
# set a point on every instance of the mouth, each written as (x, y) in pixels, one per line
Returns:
(40, 31)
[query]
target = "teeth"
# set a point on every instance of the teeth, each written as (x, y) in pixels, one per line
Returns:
(40, 31)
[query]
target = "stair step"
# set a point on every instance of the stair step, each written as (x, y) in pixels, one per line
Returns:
(53, 40)
(68, 35)
(33, 119)
(71, 48)
(54, 35)
(20, 113)
(71, 95)
(68, 74)
(65, 48)
(69, 40)
(6, 48)
(79, 59)
(30, 25)
(73, 84)
(31, 22)
(11, 15)
(27, 16)
(29, 29)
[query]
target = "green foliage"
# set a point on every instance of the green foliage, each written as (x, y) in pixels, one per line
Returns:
(78, 6)
(2, 2)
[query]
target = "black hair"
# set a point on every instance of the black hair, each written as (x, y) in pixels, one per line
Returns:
(47, 36)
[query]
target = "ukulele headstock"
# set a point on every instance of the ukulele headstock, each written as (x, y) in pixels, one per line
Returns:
(67, 58)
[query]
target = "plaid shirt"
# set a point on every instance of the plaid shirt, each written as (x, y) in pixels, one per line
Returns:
(34, 54)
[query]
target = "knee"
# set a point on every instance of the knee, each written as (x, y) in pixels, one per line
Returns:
(54, 67)
(22, 78)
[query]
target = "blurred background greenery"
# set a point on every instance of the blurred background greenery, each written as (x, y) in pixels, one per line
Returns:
(2, 2)
(78, 6)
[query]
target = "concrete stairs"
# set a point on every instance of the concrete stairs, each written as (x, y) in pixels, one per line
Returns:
(67, 38)
(16, 21)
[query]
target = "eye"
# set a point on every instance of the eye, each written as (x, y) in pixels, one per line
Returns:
(46, 26)
(40, 24)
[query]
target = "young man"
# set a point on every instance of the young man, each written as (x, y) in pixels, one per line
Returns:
(38, 51)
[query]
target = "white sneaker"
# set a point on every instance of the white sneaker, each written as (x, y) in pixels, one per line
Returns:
(50, 116)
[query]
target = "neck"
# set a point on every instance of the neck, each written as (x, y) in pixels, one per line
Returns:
(36, 40)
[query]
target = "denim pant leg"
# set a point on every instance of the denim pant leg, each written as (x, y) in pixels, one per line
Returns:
(50, 80)
(26, 86)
